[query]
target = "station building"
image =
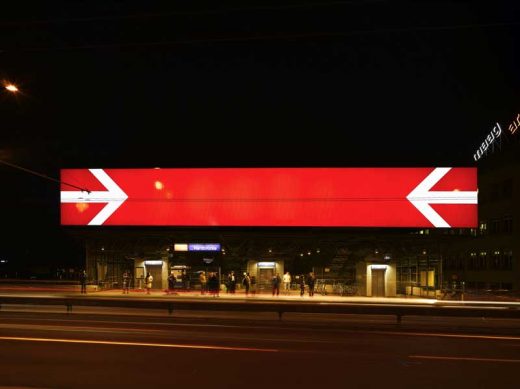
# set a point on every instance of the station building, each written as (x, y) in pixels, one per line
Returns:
(370, 261)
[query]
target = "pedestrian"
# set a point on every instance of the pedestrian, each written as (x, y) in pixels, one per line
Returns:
(202, 280)
(149, 282)
(171, 282)
(276, 284)
(311, 280)
(126, 282)
(287, 282)
(253, 285)
(227, 283)
(186, 280)
(302, 285)
(232, 282)
(246, 281)
(214, 286)
(83, 281)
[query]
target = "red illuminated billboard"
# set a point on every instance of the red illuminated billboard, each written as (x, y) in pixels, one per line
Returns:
(290, 197)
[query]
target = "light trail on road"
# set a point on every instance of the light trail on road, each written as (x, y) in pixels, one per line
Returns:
(138, 344)
(469, 359)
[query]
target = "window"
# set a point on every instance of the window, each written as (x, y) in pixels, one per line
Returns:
(494, 227)
(507, 260)
(507, 225)
(507, 188)
(495, 262)
(494, 195)
(482, 261)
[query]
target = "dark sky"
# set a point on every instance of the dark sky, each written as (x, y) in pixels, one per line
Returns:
(285, 83)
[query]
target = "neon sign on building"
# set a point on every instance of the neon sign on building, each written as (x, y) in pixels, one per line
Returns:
(490, 140)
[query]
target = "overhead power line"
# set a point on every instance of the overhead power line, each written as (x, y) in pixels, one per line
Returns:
(35, 173)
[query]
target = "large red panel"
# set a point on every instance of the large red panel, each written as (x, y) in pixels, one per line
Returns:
(328, 197)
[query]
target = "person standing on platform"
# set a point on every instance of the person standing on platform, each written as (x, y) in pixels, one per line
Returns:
(126, 282)
(214, 286)
(246, 281)
(185, 278)
(311, 281)
(276, 284)
(149, 283)
(302, 285)
(203, 282)
(253, 285)
(171, 282)
(287, 283)
(83, 281)
(232, 282)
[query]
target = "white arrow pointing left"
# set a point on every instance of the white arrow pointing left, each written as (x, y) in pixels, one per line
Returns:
(114, 197)
(421, 197)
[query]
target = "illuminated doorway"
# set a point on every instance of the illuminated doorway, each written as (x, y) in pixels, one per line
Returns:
(378, 282)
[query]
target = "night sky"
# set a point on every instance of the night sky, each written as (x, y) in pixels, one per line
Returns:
(285, 83)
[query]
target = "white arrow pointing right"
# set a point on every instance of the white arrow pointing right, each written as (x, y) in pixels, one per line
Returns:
(421, 197)
(114, 197)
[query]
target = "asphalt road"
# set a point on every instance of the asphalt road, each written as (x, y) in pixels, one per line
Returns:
(124, 348)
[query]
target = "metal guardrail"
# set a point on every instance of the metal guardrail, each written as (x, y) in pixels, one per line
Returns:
(481, 311)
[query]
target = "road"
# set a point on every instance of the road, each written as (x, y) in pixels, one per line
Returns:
(99, 347)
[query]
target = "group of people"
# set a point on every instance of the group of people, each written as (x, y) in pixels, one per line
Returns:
(209, 283)
(248, 282)
(309, 280)
(172, 281)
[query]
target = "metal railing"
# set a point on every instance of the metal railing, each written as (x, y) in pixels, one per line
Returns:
(443, 309)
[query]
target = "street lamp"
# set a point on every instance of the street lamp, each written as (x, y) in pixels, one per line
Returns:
(11, 88)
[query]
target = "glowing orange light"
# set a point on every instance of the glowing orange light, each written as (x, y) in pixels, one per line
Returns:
(134, 344)
(11, 88)
(159, 185)
(81, 207)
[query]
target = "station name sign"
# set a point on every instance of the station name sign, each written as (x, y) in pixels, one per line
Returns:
(263, 197)
(196, 247)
